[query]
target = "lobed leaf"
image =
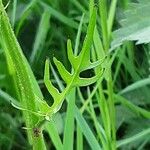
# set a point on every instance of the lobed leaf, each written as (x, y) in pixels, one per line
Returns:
(79, 63)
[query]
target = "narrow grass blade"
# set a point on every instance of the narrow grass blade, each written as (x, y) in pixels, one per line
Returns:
(142, 134)
(136, 85)
(83, 125)
(79, 139)
(8, 98)
(87, 131)
(111, 16)
(78, 5)
(53, 133)
(139, 111)
(69, 123)
(60, 16)
(13, 17)
(26, 12)
(40, 36)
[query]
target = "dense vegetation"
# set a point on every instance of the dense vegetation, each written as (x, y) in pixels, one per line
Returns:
(75, 74)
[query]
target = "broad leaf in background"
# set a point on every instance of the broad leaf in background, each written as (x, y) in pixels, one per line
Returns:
(135, 26)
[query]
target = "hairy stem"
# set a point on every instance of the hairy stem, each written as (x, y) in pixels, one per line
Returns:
(24, 78)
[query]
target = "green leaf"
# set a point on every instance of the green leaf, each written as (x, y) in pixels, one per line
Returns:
(139, 111)
(52, 131)
(135, 25)
(82, 127)
(79, 63)
(81, 122)
(40, 36)
(88, 133)
(13, 17)
(136, 85)
(8, 98)
(60, 16)
(69, 123)
(24, 14)
(143, 133)
(23, 77)
(79, 138)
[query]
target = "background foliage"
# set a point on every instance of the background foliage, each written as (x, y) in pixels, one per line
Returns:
(42, 29)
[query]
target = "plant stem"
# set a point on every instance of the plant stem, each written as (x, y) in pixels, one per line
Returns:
(111, 110)
(24, 77)
(106, 25)
(103, 19)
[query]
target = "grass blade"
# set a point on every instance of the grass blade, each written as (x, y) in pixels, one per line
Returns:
(136, 85)
(69, 123)
(87, 131)
(60, 16)
(83, 126)
(53, 133)
(40, 36)
(79, 139)
(144, 133)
